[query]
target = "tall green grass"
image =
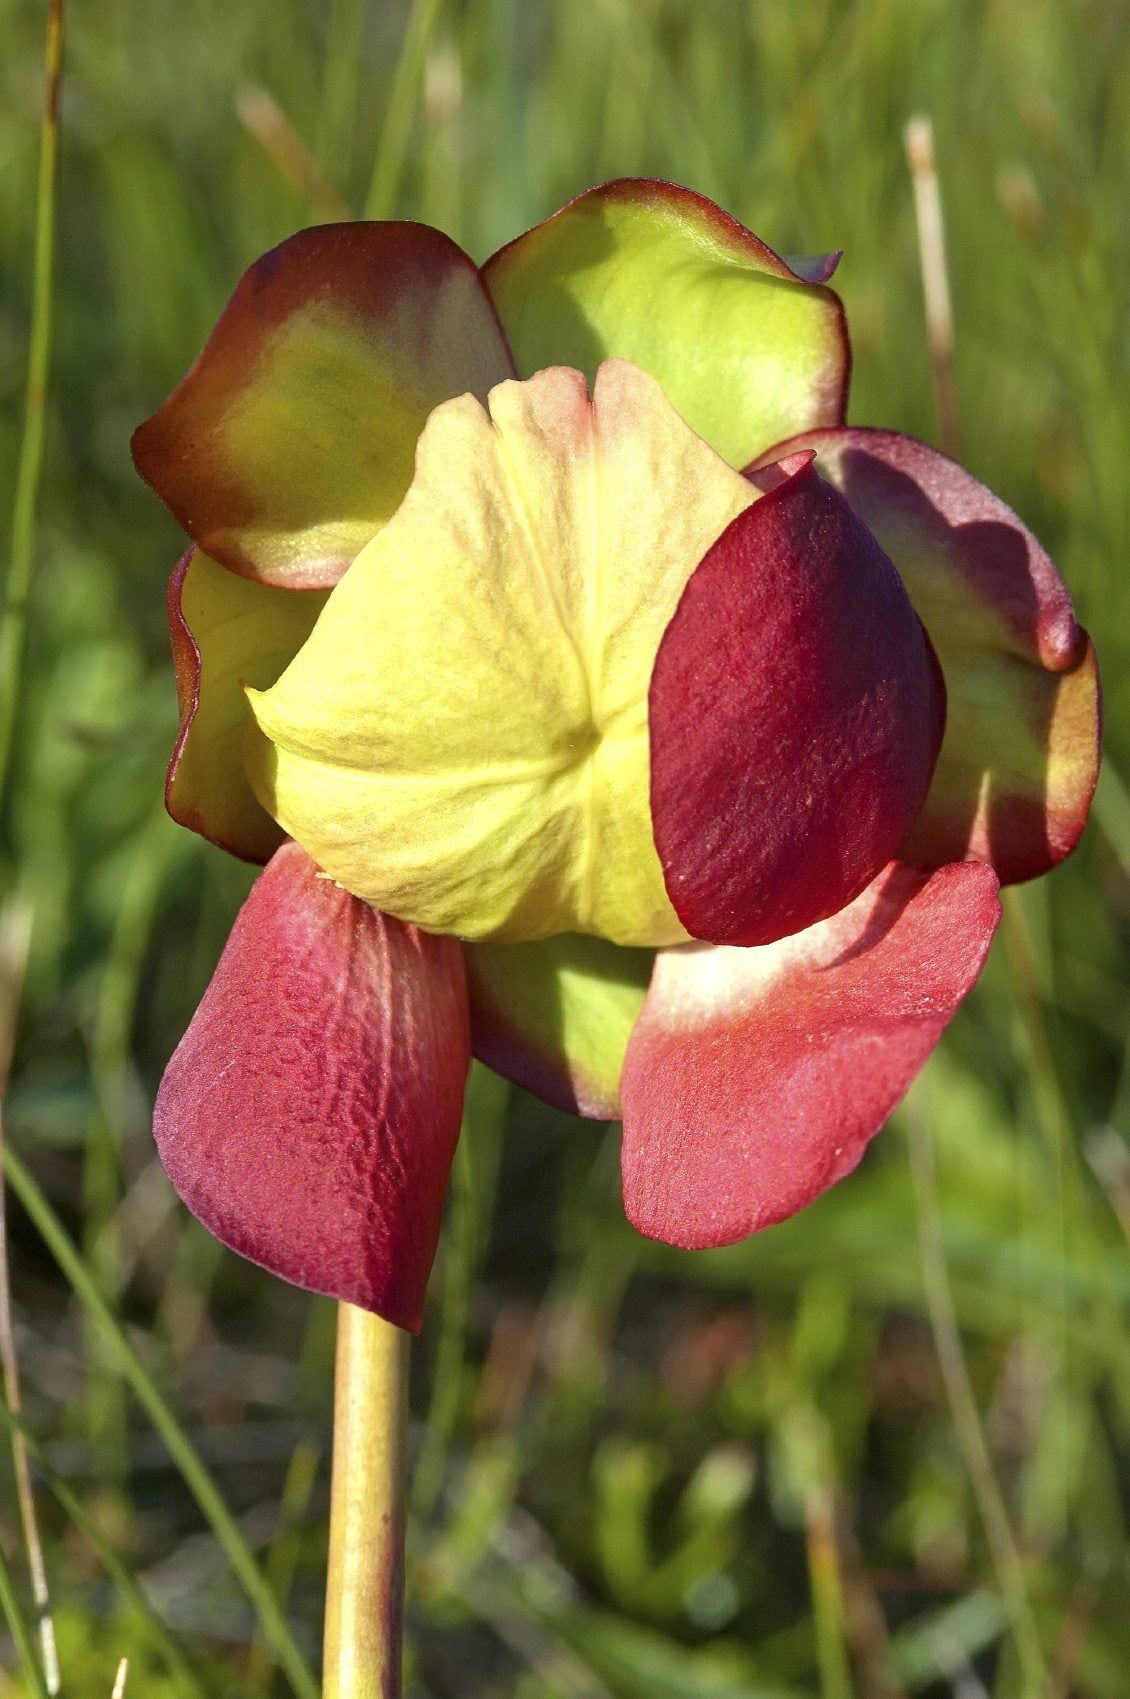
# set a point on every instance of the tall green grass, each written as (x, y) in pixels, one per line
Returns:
(642, 1474)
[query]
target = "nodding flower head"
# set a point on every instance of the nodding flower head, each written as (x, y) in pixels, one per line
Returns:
(601, 703)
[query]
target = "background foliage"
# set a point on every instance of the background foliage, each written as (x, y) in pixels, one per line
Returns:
(772, 1471)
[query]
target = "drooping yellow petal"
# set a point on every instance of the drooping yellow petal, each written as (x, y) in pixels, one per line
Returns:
(463, 739)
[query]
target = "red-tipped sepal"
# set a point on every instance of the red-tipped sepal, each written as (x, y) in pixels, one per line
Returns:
(796, 711)
(755, 1079)
(311, 1111)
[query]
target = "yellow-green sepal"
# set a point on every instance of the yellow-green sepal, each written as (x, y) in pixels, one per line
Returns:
(555, 1017)
(748, 346)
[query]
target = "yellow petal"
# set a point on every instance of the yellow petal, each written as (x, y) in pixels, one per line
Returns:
(463, 739)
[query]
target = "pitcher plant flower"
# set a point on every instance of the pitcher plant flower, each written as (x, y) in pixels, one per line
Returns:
(603, 705)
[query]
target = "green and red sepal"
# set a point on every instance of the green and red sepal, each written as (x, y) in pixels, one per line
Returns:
(292, 438)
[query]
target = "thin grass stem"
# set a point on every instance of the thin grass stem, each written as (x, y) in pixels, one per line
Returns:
(15, 938)
(392, 149)
(21, 1634)
(282, 1559)
(919, 140)
(963, 1406)
(17, 594)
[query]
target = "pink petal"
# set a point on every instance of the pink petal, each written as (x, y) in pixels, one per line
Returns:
(755, 1079)
(311, 1111)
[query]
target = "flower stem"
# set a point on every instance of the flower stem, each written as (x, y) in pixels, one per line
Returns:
(365, 1588)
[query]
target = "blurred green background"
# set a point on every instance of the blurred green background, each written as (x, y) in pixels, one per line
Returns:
(882, 1450)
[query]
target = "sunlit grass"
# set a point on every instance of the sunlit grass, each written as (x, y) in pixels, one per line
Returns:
(646, 1474)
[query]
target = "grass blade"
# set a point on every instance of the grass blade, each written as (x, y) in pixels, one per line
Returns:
(18, 590)
(193, 1471)
(118, 1572)
(21, 1634)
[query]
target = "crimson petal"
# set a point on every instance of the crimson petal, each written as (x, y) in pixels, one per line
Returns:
(311, 1111)
(755, 1078)
(796, 711)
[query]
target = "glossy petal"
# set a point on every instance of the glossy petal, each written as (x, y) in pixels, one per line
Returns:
(1018, 766)
(555, 1017)
(796, 715)
(227, 631)
(463, 740)
(747, 345)
(291, 440)
(310, 1113)
(756, 1078)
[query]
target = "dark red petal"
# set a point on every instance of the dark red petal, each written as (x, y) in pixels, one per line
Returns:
(755, 1079)
(311, 1111)
(796, 712)
(1017, 771)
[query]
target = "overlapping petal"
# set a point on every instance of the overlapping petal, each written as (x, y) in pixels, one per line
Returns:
(1020, 758)
(756, 1078)
(748, 346)
(226, 632)
(796, 713)
(310, 1113)
(292, 438)
(463, 740)
(555, 1017)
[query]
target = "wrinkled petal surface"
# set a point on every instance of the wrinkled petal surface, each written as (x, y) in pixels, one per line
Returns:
(796, 713)
(555, 1017)
(756, 1078)
(748, 346)
(226, 632)
(291, 439)
(310, 1113)
(1017, 770)
(463, 740)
